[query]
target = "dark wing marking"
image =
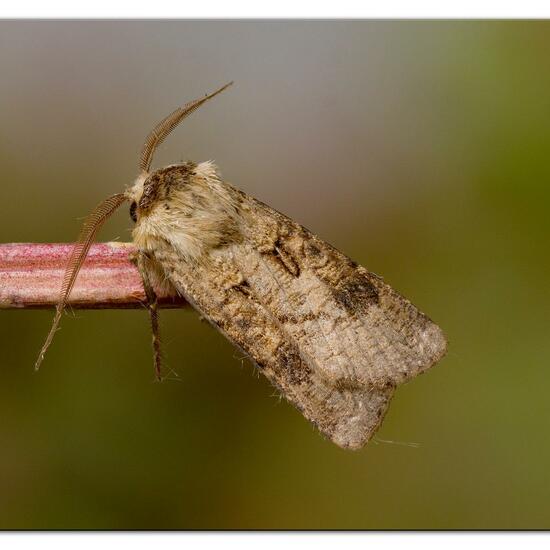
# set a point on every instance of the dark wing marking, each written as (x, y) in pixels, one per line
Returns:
(356, 328)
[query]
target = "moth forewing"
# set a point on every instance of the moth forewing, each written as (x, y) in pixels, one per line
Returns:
(333, 337)
(363, 332)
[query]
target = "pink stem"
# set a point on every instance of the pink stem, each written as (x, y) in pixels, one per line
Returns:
(31, 276)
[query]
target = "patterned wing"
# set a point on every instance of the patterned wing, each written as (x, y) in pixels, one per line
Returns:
(348, 415)
(358, 330)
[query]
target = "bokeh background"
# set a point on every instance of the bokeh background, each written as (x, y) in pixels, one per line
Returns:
(420, 149)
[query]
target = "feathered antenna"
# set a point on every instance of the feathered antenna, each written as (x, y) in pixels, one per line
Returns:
(159, 133)
(89, 230)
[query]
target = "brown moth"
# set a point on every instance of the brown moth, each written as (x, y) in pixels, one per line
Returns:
(334, 338)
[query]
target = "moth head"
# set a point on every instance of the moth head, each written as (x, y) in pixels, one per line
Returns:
(156, 136)
(104, 210)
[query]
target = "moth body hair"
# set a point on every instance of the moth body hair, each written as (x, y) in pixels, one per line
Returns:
(192, 214)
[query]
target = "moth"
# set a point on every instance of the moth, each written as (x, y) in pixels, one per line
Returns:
(334, 338)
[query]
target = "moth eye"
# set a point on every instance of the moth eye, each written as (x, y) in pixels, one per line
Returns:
(133, 207)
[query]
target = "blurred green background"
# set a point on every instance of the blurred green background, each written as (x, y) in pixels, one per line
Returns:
(420, 149)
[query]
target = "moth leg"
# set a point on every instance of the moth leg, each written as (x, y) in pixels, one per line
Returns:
(140, 260)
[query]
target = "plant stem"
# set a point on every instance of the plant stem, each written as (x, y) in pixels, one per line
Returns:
(31, 276)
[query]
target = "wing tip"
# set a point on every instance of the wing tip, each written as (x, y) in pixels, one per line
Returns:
(435, 343)
(356, 426)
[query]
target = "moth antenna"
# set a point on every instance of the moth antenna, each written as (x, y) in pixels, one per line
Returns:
(78, 254)
(159, 133)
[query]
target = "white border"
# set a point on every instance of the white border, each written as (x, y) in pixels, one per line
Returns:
(311, 9)
(274, 541)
